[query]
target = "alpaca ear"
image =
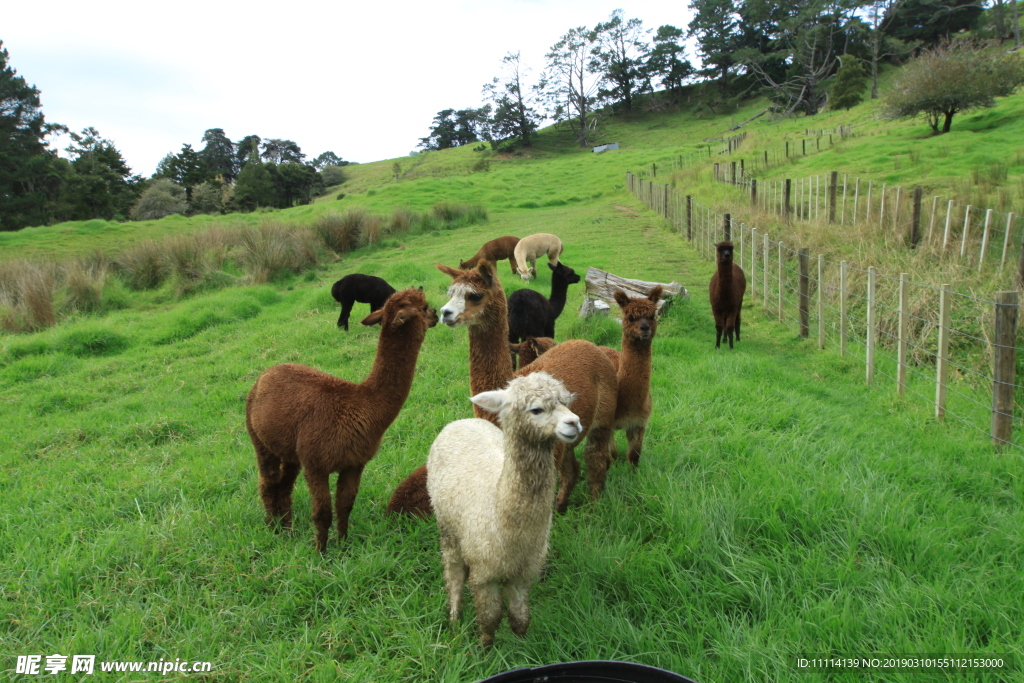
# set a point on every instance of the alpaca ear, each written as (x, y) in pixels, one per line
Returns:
(374, 318)
(449, 271)
(487, 273)
(492, 401)
(655, 294)
(462, 264)
(620, 298)
(420, 288)
(400, 318)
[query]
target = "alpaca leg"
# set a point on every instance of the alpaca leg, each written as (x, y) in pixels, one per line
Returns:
(636, 443)
(289, 472)
(346, 309)
(738, 312)
(320, 492)
(596, 456)
(515, 265)
(348, 487)
(517, 592)
(487, 598)
(728, 335)
(613, 450)
(718, 336)
(568, 472)
(274, 484)
(455, 571)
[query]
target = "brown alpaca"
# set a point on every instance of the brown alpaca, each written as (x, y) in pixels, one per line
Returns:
(530, 348)
(494, 251)
(727, 287)
(478, 302)
(301, 418)
(411, 498)
(633, 405)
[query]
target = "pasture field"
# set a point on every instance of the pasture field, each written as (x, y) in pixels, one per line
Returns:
(781, 508)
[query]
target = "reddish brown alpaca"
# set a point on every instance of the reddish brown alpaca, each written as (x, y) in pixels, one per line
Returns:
(478, 302)
(301, 418)
(494, 251)
(530, 348)
(727, 287)
(633, 406)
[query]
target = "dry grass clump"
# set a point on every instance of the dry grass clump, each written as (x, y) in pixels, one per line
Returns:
(26, 296)
(370, 231)
(143, 265)
(401, 222)
(340, 231)
(274, 249)
(84, 282)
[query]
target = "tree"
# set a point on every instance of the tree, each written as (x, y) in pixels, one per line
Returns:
(620, 54)
(513, 116)
(453, 128)
(950, 78)
(931, 21)
(667, 59)
(161, 198)
(218, 156)
(244, 150)
(254, 186)
(30, 174)
(332, 175)
(282, 152)
(328, 159)
(570, 86)
(296, 183)
(848, 86)
(207, 197)
(100, 183)
(714, 25)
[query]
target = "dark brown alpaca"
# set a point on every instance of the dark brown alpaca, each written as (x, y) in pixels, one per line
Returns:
(494, 251)
(530, 348)
(301, 418)
(478, 302)
(727, 287)
(633, 406)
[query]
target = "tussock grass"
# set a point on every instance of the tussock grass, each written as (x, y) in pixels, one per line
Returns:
(26, 296)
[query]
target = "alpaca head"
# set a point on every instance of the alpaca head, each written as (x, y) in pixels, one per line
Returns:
(724, 250)
(406, 310)
(527, 272)
(535, 407)
(564, 272)
(470, 294)
(639, 316)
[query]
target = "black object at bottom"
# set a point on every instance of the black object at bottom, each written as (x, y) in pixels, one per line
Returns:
(590, 672)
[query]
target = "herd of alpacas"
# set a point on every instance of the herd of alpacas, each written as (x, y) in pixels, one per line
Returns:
(490, 481)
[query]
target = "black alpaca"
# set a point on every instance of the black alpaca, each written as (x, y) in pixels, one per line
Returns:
(366, 289)
(531, 315)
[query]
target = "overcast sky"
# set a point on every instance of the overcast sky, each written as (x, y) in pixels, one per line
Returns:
(363, 80)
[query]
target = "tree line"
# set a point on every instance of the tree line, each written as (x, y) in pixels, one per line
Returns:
(93, 180)
(789, 50)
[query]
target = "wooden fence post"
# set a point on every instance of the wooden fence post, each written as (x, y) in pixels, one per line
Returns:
(821, 302)
(753, 263)
(666, 200)
(1004, 367)
(1006, 238)
(901, 336)
(967, 229)
(805, 292)
(842, 308)
(782, 281)
(870, 357)
(856, 198)
(881, 208)
(787, 194)
(931, 221)
(753, 192)
(733, 178)
(842, 213)
(689, 217)
(942, 354)
(984, 238)
(867, 210)
(764, 272)
(727, 227)
(915, 219)
(654, 170)
(949, 219)
(833, 187)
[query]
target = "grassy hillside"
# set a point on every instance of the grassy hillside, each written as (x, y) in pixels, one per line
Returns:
(780, 508)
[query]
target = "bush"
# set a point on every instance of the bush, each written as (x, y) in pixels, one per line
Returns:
(162, 198)
(332, 176)
(401, 222)
(207, 197)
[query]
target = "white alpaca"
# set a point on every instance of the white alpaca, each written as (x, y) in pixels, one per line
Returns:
(492, 491)
(532, 247)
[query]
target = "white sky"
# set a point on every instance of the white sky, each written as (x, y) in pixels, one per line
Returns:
(363, 80)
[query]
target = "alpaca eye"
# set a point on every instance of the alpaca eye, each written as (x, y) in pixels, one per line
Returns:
(536, 411)
(474, 297)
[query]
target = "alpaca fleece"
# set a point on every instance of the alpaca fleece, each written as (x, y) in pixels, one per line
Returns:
(532, 247)
(496, 250)
(726, 290)
(366, 289)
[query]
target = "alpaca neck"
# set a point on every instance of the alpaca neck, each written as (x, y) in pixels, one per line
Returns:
(526, 487)
(635, 364)
(490, 364)
(559, 288)
(391, 378)
(725, 276)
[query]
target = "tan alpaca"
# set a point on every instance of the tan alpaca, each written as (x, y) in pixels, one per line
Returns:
(301, 418)
(531, 248)
(496, 250)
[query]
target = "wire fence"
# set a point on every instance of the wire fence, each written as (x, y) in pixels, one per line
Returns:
(947, 348)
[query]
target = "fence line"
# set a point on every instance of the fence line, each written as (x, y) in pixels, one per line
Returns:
(898, 327)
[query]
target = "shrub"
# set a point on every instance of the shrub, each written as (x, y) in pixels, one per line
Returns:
(401, 222)
(207, 197)
(162, 198)
(143, 266)
(332, 176)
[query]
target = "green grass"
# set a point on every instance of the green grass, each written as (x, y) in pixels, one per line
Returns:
(780, 508)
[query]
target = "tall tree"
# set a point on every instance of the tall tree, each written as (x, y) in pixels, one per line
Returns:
(29, 172)
(244, 150)
(100, 183)
(714, 25)
(254, 187)
(513, 116)
(667, 59)
(281, 151)
(620, 53)
(951, 78)
(931, 21)
(328, 159)
(453, 128)
(570, 86)
(219, 155)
